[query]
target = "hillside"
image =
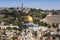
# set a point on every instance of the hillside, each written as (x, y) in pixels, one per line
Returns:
(11, 16)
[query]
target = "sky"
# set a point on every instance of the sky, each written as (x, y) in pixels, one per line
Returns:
(38, 4)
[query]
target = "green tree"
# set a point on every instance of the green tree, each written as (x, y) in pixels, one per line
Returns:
(56, 25)
(19, 29)
(45, 24)
(53, 25)
(8, 28)
(40, 23)
(13, 38)
(14, 28)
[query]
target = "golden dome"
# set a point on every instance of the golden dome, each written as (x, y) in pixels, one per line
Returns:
(28, 19)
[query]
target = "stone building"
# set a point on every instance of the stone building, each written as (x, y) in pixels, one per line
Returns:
(52, 18)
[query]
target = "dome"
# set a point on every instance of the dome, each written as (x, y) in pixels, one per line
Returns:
(28, 19)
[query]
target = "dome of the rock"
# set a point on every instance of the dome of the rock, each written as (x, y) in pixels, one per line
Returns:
(28, 19)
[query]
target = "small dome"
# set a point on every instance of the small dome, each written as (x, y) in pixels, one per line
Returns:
(28, 19)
